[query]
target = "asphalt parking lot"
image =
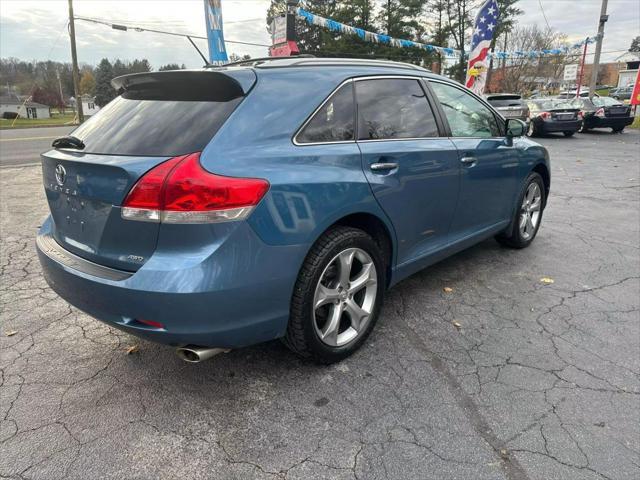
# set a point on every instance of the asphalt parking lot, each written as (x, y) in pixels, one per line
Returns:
(503, 377)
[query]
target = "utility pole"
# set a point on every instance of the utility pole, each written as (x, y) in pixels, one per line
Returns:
(74, 61)
(596, 59)
(60, 87)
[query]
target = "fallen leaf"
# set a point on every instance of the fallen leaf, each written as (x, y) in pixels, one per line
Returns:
(504, 453)
(132, 349)
(457, 325)
(547, 280)
(447, 289)
(10, 333)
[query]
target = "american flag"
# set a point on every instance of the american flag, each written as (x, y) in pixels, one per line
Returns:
(485, 25)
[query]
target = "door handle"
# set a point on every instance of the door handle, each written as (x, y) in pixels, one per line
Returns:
(469, 161)
(378, 167)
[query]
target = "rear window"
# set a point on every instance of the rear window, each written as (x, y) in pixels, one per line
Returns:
(605, 101)
(505, 100)
(152, 127)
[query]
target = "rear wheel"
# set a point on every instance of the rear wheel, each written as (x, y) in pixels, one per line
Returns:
(528, 216)
(337, 297)
(568, 134)
(617, 129)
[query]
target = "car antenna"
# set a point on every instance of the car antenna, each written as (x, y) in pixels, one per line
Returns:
(206, 62)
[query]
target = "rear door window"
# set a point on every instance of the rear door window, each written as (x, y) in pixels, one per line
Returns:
(393, 108)
(334, 121)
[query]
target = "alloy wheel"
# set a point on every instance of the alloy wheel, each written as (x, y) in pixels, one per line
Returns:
(345, 297)
(530, 211)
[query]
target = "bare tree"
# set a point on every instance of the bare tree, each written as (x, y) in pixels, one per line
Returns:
(526, 73)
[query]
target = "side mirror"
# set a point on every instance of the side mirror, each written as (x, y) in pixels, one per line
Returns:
(515, 127)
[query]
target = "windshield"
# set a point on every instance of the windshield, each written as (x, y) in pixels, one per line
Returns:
(605, 101)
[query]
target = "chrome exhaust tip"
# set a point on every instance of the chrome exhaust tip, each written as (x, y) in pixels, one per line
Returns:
(195, 354)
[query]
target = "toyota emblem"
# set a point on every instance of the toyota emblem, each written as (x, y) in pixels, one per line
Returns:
(61, 174)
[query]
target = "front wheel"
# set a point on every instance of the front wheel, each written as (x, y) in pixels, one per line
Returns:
(337, 297)
(583, 128)
(568, 134)
(617, 129)
(532, 131)
(528, 216)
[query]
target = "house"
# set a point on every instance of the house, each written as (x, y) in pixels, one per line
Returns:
(628, 75)
(25, 109)
(89, 106)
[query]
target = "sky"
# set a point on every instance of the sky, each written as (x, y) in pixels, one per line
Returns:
(36, 30)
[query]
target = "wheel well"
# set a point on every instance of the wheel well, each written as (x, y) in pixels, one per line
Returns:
(546, 178)
(378, 231)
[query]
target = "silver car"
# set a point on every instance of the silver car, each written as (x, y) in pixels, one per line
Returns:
(510, 105)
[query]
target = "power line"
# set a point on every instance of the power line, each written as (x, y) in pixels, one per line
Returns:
(125, 28)
(544, 14)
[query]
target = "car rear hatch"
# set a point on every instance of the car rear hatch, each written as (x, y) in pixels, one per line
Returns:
(158, 116)
(617, 111)
(510, 106)
(564, 114)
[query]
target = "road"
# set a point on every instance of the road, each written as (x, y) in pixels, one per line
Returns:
(504, 377)
(23, 146)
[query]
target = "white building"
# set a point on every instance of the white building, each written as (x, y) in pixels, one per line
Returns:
(28, 109)
(89, 106)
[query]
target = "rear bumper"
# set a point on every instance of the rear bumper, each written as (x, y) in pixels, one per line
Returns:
(608, 122)
(556, 126)
(233, 294)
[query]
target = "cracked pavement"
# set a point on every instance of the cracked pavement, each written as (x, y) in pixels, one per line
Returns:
(539, 381)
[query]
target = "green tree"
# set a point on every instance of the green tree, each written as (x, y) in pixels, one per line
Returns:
(104, 73)
(635, 45)
(460, 22)
(171, 66)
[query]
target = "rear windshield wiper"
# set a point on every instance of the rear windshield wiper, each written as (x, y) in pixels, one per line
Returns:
(68, 142)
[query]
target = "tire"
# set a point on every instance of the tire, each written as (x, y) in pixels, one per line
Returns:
(309, 331)
(617, 130)
(532, 131)
(568, 134)
(583, 128)
(514, 236)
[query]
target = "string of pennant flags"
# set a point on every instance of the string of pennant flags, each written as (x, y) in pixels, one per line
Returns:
(335, 26)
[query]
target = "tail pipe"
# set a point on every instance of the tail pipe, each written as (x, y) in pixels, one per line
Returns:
(195, 354)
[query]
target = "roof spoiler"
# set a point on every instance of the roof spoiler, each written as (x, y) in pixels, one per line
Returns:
(186, 85)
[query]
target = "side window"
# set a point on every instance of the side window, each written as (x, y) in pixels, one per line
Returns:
(334, 122)
(393, 108)
(467, 116)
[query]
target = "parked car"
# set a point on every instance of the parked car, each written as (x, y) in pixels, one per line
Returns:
(280, 198)
(551, 115)
(568, 94)
(603, 112)
(622, 93)
(509, 105)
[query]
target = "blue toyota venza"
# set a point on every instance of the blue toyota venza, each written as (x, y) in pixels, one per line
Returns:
(222, 207)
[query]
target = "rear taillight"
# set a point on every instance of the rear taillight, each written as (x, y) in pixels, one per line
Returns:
(181, 191)
(544, 115)
(580, 115)
(600, 113)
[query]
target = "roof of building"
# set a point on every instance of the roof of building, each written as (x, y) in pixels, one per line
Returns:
(14, 100)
